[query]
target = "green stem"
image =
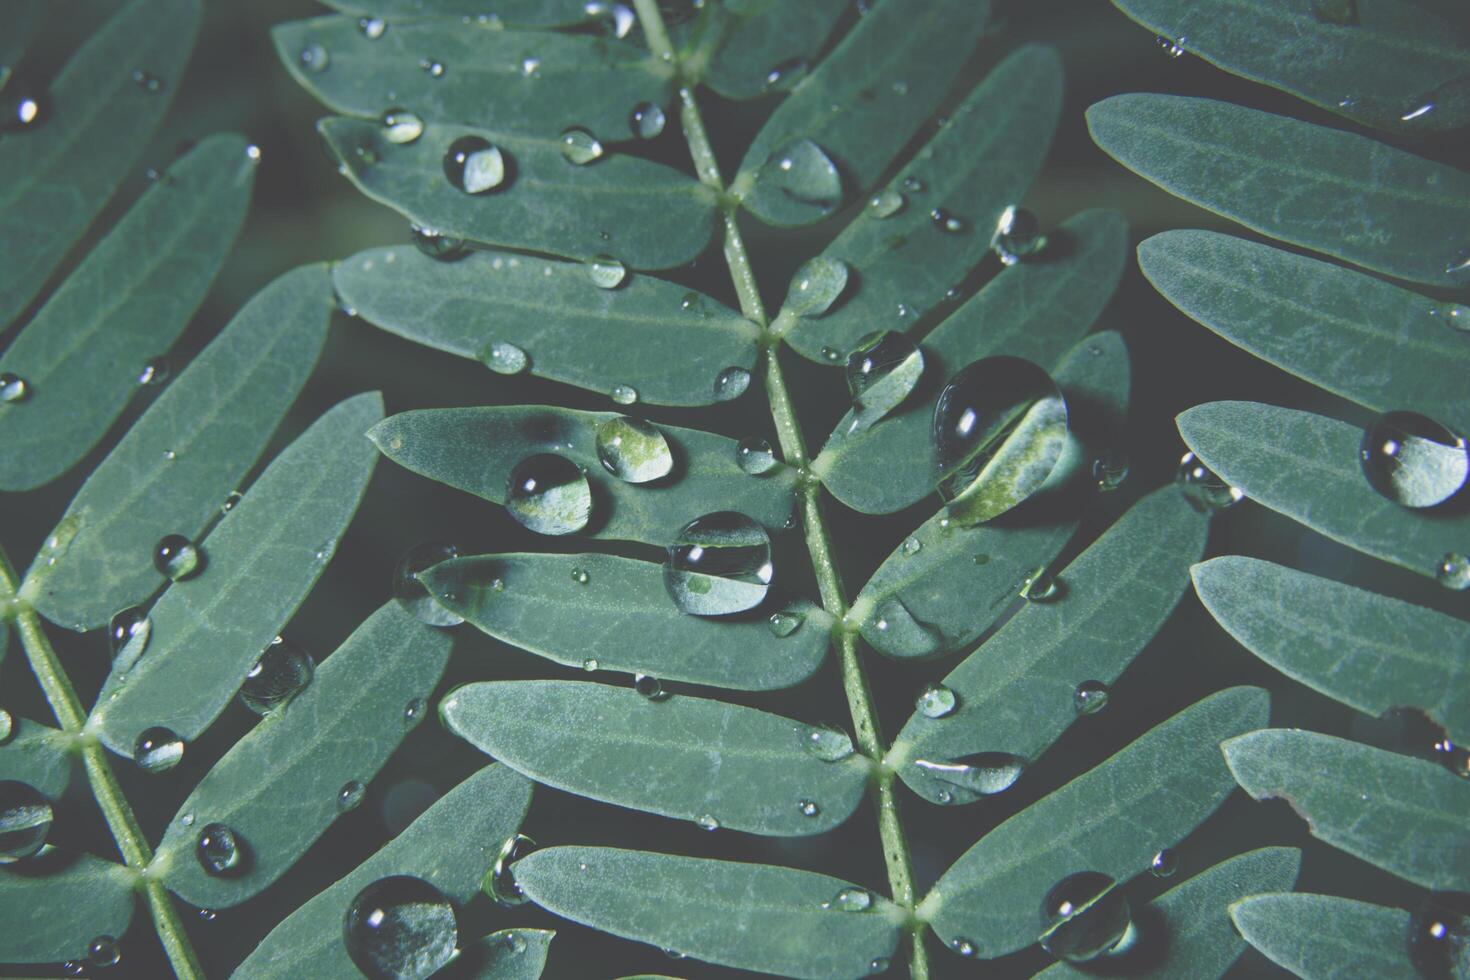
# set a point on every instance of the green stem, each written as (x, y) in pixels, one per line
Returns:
(818, 540)
(67, 707)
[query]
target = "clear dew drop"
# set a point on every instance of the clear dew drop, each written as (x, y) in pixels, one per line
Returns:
(413, 712)
(1090, 697)
(474, 165)
(850, 899)
(879, 964)
(436, 245)
(1039, 586)
(816, 286)
(1083, 917)
(886, 203)
(1164, 864)
(128, 632)
(827, 744)
(623, 395)
(633, 450)
(646, 121)
(808, 808)
(549, 494)
(1456, 316)
(102, 952)
(504, 358)
(1413, 460)
(313, 59)
(1437, 937)
(350, 796)
(911, 546)
(13, 388)
(802, 172)
(785, 76)
(208, 915)
(431, 67)
(402, 127)
(936, 701)
(707, 822)
(621, 20)
(784, 623)
(231, 501)
(177, 558)
(1453, 571)
(147, 81)
(606, 272)
(158, 750)
(1340, 13)
(882, 371)
(25, 820)
(731, 383)
(962, 946)
(1109, 470)
(649, 687)
(580, 576)
(400, 927)
(500, 882)
(831, 354)
(719, 564)
(1202, 488)
(1017, 235)
(531, 67)
(154, 372)
(755, 456)
(913, 184)
(412, 594)
(946, 222)
(590, 665)
(220, 850)
(372, 28)
(972, 777)
(1174, 48)
(579, 146)
(283, 671)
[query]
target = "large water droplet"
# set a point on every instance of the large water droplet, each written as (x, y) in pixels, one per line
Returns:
(606, 272)
(731, 383)
(474, 165)
(1413, 460)
(400, 927)
(649, 687)
(886, 203)
(719, 564)
(13, 388)
(158, 750)
(850, 899)
(549, 494)
(1164, 864)
(1342, 13)
(1017, 235)
(1039, 586)
(220, 850)
(898, 632)
(633, 450)
(754, 455)
(936, 701)
(1083, 916)
(646, 121)
(816, 286)
(500, 883)
(579, 146)
(504, 358)
(177, 558)
(1090, 697)
(102, 952)
(1453, 571)
(1202, 488)
(127, 636)
(1438, 936)
(282, 672)
(802, 172)
(401, 126)
(882, 371)
(314, 58)
(412, 594)
(25, 820)
(437, 245)
(972, 777)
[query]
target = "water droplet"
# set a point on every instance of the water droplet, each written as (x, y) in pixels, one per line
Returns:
(962, 946)
(936, 701)
(633, 450)
(1083, 916)
(647, 121)
(350, 796)
(127, 636)
(155, 372)
(1459, 265)
(719, 564)
(580, 576)
(623, 394)
(650, 687)
(372, 28)
(1110, 469)
(208, 915)
(1164, 864)
(412, 594)
(432, 68)
(850, 900)
(827, 744)
(282, 672)
(731, 383)
(531, 67)
(590, 665)
(73, 968)
(13, 388)
(474, 165)
(946, 222)
(549, 494)
(400, 927)
(755, 456)
(1438, 936)
(435, 245)
(620, 18)
(785, 76)
(913, 185)
(1172, 48)
(220, 850)
(800, 171)
(27, 111)
(147, 81)
(187, 820)
(808, 808)
(783, 624)
(500, 883)
(102, 952)
(158, 750)
(503, 358)
(911, 546)
(1455, 315)
(816, 286)
(25, 820)
(1017, 235)
(1039, 586)
(1090, 697)
(886, 203)
(1413, 460)
(882, 371)
(972, 777)
(1453, 571)
(831, 354)
(879, 964)
(401, 126)
(606, 272)
(1342, 13)
(170, 455)
(177, 558)
(7, 726)
(579, 146)
(1202, 488)
(235, 496)
(413, 712)
(707, 822)
(314, 59)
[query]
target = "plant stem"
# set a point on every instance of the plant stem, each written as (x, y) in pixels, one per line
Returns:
(818, 540)
(67, 707)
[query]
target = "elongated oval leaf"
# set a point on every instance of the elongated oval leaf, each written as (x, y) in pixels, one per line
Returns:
(55, 180)
(1187, 931)
(52, 906)
(1379, 70)
(765, 42)
(451, 846)
(533, 83)
(666, 343)
(710, 910)
(177, 464)
(504, 13)
(977, 165)
(280, 787)
(510, 954)
(645, 214)
(260, 563)
(863, 102)
(475, 449)
(1306, 467)
(1313, 936)
(1112, 820)
(37, 755)
(1404, 815)
(1325, 189)
(131, 297)
(1017, 692)
(682, 757)
(1365, 650)
(540, 603)
(1035, 310)
(1384, 347)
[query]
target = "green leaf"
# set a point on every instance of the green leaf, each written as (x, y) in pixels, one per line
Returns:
(475, 450)
(507, 13)
(1365, 650)
(1306, 467)
(1035, 309)
(1359, 337)
(1322, 937)
(1187, 932)
(1112, 819)
(214, 420)
(510, 954)
(688, 758)
(645, 214)
(530, 83)
(54, 180)
(37, 755)
(1404, 815)
(973, 168)
(540, 604)
(1017, 692)
(1324, 189)
(260, 563)
(762, 38)
(280, 787)
(451, 846)
(1377, 70)
(127, 301)
(52, 905)
(710, 910)
(656, 337)
(863, 102)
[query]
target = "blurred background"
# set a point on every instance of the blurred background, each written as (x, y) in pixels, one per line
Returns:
(305, 212)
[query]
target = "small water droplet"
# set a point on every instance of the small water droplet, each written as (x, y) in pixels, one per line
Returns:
(402, 127)
(1455, 315)
(432, 68)
(435, 245)
(606, 272)
(646, 121)
(372, 28)
(1453, 571)
(784, 76)
(220, 850)
(1017, 235)
(886, 203)
(1039, 586)
(816, 286)
(187, 820)
(1173, 48)
(208, 915)
(623, 394)
(531, 67)
(313, 58)
(234, 498)
(913, 185)
(962, 946)
(73, 968)
(850, 900)
(879, 964)
(102, 952)
(13, 388)
(633, 450)
(400, 927)
(7, 726)
(970, 778)
(504, 358)
(413, 712)
(911, 546)
(474, 165)
(127, 636)
(808, 808)
(707, 822)
(1341, 13)
(549, 494)
(580, 576)
(650, 687)
(147, 81)
(154, 372)
(579, 146)
(1090, 697)
(620, 18)
(827, 744)
(158, 750)
(590, 665)
(755, 456)
(283, 671)
(1202, 488)
(1413, 460)
(731, 383)
(946, 222)
(1164, 864)
(177, 558)
(412, 594)
(1460, 264)
(25, 820)
(882, 371)
(802, 172)
(1110, 469)
(936, 701)
(719, 564)
(831, 354)
(784, 623)
(1083, 917)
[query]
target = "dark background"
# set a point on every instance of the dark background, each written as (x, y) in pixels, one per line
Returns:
(303, 212)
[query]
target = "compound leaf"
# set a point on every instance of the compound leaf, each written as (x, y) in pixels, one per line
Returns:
(51, 905)
(1322, 937)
